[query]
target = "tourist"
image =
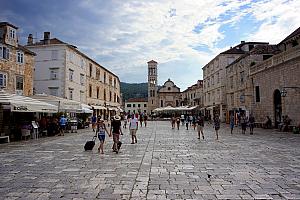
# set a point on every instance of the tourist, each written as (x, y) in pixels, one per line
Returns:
(187, 122)
(251, 123)
(133, 127)
(100, 131)
(231, 123)
(190, 119)
(94, 120)
(62, 124)
(243, 121)
(115, 130)
(217, 125)
(173, 120)
(267, 123)
(194, 122)
(141, 120)
(125, 121)
(178, 122)
(182, 119)
(200, 126)
(145, 119)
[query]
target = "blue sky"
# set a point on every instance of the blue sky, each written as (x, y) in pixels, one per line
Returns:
(181, 35)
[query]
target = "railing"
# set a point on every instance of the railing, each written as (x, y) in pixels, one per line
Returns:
(276, 60)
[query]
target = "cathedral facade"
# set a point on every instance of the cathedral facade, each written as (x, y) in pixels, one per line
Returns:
(167, 95)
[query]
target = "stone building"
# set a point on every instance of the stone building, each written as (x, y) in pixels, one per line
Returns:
(238, 85)
(214, 78)
(64, 71)
(169, 95)
(193, 95)
(276, 83)
(16, 62)
(136, 105)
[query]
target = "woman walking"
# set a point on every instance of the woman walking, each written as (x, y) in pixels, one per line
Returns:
(217, 125)
(101, 129)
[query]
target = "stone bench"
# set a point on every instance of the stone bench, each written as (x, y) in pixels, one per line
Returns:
(4, 138)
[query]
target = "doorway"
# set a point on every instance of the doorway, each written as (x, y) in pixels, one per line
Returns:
(277, 107)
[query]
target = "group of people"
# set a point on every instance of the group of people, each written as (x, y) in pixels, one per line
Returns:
(115, 131)
(196, 122)
(243, 122)
(140, 117)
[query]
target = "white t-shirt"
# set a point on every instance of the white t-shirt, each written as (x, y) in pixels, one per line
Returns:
(133, 123)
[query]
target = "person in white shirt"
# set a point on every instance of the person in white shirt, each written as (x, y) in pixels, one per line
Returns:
(133, 127)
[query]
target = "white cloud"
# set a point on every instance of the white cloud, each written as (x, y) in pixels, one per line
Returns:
(124, 35)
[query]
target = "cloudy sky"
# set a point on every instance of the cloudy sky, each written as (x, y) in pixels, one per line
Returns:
(181, 35)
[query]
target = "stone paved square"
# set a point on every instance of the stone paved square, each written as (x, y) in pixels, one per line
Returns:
(164, 164)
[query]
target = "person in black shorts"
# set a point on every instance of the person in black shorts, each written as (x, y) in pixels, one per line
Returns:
(115, 130)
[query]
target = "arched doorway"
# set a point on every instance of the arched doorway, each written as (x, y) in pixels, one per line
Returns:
(277, 107)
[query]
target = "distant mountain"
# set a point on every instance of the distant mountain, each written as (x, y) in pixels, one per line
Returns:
(134, 90)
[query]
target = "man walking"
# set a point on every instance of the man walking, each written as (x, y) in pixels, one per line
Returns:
(62, 124)
(115, 130)
(133, 127)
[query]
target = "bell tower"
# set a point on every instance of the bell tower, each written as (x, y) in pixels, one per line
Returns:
(152, 85)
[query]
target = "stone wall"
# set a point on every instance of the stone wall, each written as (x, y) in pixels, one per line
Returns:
(284, 74)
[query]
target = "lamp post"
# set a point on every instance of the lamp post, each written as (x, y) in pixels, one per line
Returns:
(283, 91)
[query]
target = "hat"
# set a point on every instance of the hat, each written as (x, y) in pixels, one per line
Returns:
(117, 117)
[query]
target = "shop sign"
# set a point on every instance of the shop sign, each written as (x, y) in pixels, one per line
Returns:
(21, 108)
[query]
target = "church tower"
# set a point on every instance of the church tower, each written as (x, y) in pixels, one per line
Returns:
(152, 85)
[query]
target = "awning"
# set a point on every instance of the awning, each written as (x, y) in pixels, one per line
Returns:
(86, 108)
(112, 109)
(99, 107)
(65, 105)
(18, 103)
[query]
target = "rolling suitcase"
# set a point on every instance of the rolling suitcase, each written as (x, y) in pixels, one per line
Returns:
(89, 145)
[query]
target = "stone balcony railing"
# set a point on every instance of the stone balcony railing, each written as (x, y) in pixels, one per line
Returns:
(276, 60)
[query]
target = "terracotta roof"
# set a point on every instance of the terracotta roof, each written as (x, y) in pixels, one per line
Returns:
(293, 34)
(238, 48)
(265, 49)
(7, 24)
(52, 41)
(57, 41)
(26, 50)
(152, 61)
(233, 50)
(137, 100)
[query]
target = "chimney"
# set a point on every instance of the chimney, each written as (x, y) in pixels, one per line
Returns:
(30, 39)
(242, 42)
(46, 37)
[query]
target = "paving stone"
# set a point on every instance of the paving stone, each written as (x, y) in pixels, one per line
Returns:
(165, 164)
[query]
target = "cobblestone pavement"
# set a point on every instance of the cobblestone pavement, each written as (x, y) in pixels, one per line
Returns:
(164, 164)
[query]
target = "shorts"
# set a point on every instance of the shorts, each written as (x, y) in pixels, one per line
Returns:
(62, 127)
(199, 128)
(116, 137)
(133, 132)
(93, 125)
(101, 137)
(217, 128)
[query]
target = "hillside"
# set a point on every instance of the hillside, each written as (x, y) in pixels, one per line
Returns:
(134, 90)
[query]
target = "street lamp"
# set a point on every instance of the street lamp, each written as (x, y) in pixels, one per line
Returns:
(284, 92)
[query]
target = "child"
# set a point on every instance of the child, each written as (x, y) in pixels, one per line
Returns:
(101, 129)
